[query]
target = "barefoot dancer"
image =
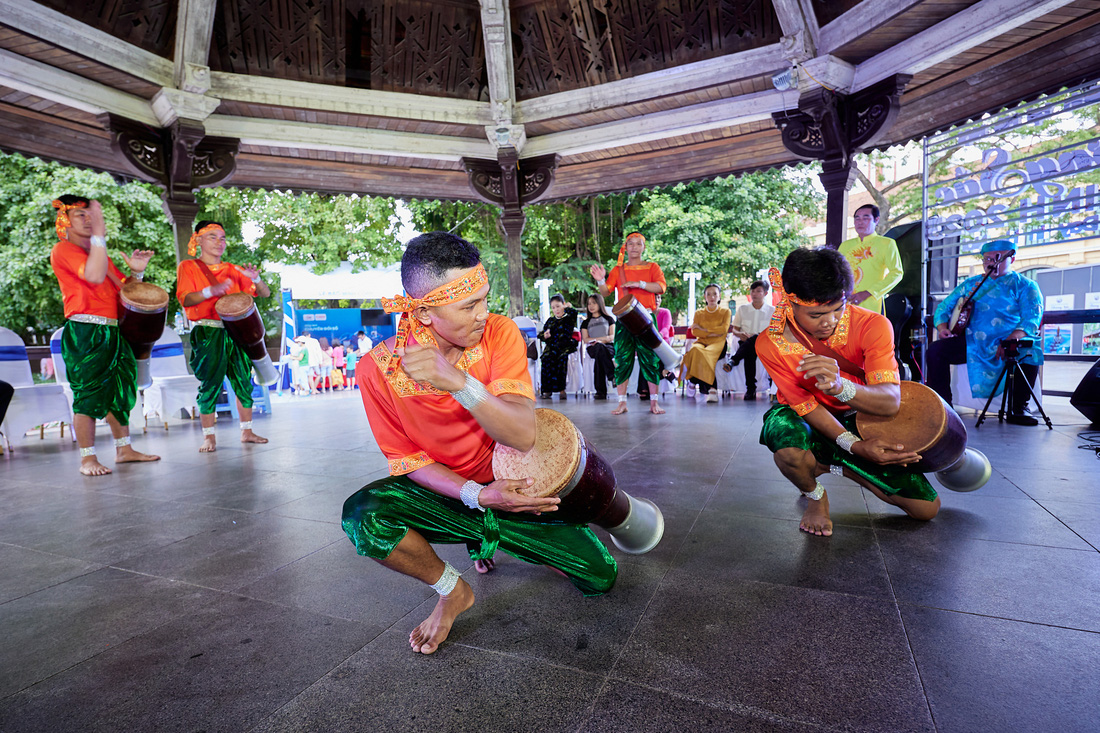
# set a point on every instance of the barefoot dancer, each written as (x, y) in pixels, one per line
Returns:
(439, 395)
(811, 432)
(645, 281)
(101, 366)
(215, 356)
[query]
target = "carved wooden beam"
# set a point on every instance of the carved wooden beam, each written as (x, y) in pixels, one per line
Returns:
(508, 182)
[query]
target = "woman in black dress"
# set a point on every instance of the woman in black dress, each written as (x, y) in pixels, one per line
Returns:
(558, 344)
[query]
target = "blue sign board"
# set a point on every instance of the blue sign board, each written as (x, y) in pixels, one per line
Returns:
(343, 323)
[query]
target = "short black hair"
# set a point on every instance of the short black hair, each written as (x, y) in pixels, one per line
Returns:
(713, 285)
(70, 200)
(759, 284)
(558, 297)
(820, 275)
(429, 257)
(206, 222)
(360, 333)
(872, 207)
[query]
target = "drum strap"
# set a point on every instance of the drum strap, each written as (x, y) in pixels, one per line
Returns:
(822, 349)
(206, 271)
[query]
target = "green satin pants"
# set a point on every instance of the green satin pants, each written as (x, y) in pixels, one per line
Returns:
(783, 428)
(377, 517)
(215, 357)
(626, 345)
(102, 370)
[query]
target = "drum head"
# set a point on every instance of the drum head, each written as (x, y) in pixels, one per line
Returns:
(145, 297)
(233, 305)
(624, 304)
(918, 427)
(553, 460)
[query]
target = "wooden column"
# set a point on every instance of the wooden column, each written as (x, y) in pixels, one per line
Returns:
(832, 128)
(511, 184)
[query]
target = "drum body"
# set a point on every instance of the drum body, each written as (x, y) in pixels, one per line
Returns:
(244, 325)
(925, 424)
(565, 465)
(636, 319)
(141, 322)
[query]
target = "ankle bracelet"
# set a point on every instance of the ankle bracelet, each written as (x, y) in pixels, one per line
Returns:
(447, 581)
(119, 442)
(246, 425)
(85, 452)
(816, 494)
(208, 431)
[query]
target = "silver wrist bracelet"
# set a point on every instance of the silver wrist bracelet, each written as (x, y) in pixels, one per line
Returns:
(472, 394)
(97, 241)
(139, 276)
(847, 439)
(469, 493)
(847, 390)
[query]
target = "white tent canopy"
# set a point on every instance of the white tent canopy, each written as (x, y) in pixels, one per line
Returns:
(340, 283)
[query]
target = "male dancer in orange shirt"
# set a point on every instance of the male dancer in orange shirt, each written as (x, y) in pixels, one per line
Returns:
(100, 363)
(439, 396)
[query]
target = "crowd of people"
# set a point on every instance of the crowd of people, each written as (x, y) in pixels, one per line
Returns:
(319, 366)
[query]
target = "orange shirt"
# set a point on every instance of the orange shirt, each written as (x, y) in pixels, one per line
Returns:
(191, 279)
(650, 272)
(416, 424)
(864, 338)
(79, 295)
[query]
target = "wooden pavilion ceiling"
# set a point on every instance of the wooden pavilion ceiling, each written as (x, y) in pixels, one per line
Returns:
(388, 96)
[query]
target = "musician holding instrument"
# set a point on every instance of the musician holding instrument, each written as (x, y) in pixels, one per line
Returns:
(439, 396)
(874, 259)
(643, 280)
(832, 361)
(214, 356)
(101, 367)
(987, 309)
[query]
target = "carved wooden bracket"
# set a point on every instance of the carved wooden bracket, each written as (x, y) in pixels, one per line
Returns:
(510, 182)
(179, 158)
(832, 126)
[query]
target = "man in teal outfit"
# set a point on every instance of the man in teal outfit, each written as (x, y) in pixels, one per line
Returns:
(1008, 306)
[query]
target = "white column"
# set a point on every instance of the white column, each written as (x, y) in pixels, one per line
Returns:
(544, 300)
(691, 277)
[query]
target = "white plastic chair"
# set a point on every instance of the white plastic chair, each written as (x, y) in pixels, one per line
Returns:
(32, 404)
(173, 388)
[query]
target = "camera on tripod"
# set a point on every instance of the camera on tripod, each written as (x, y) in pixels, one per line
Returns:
(1012, 347)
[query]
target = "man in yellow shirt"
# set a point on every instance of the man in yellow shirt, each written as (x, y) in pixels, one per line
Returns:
(874, 259)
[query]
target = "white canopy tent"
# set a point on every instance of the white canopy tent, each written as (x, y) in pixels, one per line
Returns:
(384, 282)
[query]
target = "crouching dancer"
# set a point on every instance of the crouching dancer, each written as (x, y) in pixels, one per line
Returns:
(832, 360)
(439, 395)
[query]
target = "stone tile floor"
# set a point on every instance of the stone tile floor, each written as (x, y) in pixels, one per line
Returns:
(218, 593)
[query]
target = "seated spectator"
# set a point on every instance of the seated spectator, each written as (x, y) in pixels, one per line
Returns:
(709, 328)
(558, 344)
(750, 321)
(598, 335)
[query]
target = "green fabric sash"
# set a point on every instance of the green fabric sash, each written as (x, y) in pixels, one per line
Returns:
(102, 370)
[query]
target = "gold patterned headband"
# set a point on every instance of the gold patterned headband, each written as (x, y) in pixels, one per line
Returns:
(783, 308)
(63, 222)
(193, 243)
(622, 249)
(458, 289)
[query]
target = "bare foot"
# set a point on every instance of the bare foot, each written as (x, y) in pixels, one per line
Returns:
(90, 466)
(815, 520)
(209, 444)
(484, 566)
(127, 454)
(620, 409)
(433, 631)
(247, 436)
(655, 408)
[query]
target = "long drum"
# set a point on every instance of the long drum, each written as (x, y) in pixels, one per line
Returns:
(636, 319)
(564, 464)
(244, 325)
(927, 425)
(141, 322)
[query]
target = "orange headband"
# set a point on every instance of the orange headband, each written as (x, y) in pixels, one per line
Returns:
(193, 243)
(63, 222)
(783, 309)
(461, 287)
(622, 249)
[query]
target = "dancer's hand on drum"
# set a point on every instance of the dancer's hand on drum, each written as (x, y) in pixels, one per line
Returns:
(222, 288)
(599, 272)
(884, 452)
(824, 370)
(139, 260)
(503, 494)
(427, 364)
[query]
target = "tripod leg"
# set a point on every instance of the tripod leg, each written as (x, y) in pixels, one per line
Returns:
(1038, 404)
(981, 417)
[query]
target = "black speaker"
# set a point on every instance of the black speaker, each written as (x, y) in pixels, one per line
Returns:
(1086, 398)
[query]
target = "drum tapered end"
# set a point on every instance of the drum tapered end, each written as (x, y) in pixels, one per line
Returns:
(144, 373)
(266, 373)
(642, 529)
(969, 473)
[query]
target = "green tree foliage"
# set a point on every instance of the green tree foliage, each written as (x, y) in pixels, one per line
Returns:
(135, 220)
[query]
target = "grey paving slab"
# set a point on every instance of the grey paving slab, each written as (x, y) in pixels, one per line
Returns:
(1084, 519)
(55, 628)
(174, 677)
(848, 503)
(757, 645)
(984, 673)
(1049, 585)
(1054, 482)
(26, 571)
(386, 687)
